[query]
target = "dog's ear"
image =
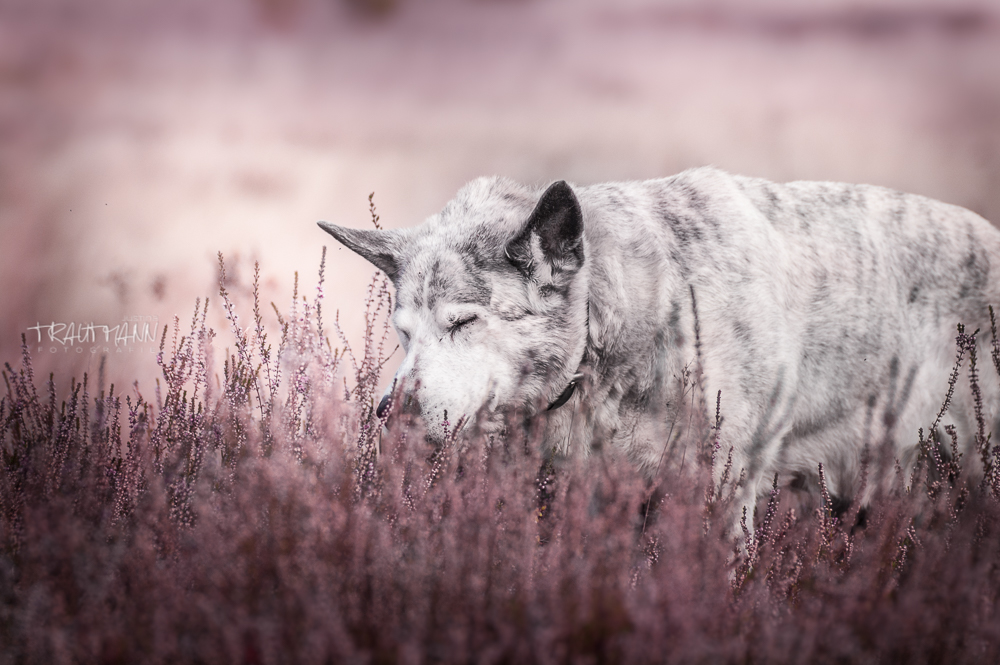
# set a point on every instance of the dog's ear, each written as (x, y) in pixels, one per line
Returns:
(383, 249)
(557, 223)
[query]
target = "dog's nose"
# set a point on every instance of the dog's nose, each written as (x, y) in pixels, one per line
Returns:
(383, 407)
(397, 404)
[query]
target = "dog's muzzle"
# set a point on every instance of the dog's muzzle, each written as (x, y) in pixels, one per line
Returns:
(397, 403)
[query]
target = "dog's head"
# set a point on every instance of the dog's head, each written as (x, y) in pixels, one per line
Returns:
(491, 302)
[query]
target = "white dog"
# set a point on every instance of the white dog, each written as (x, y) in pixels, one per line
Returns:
(826, 315)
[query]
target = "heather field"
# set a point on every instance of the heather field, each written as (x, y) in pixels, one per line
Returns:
(259, 515)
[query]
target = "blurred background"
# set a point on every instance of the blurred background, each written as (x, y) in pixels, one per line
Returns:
(138, 138)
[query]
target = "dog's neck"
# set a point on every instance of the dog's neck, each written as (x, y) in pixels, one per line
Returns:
(574, 381)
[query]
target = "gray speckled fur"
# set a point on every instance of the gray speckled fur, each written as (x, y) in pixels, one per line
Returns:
(827, 316)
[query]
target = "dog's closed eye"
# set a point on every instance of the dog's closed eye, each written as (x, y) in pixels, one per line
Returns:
(460, 323)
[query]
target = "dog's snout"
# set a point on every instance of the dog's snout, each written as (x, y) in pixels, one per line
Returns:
(383, 407)
(397, 403)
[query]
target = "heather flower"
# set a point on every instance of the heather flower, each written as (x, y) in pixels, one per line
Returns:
(258, 512)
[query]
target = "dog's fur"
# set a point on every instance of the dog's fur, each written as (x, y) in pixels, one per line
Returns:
(825, 314)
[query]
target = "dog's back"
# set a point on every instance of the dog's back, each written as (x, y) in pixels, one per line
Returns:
(827, 312)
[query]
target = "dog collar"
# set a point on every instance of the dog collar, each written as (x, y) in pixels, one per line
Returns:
(573, 382)
(565, 394)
